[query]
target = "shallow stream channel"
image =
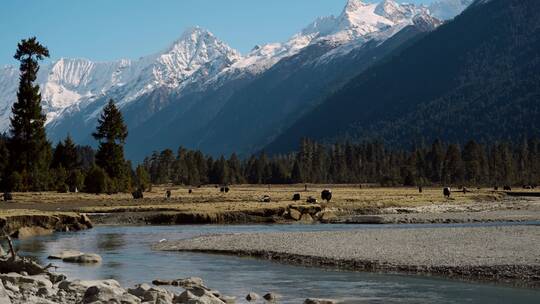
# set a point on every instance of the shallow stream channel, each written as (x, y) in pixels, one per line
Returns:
(128, 258)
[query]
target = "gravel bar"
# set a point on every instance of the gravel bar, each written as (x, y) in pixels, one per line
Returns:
(508, 254)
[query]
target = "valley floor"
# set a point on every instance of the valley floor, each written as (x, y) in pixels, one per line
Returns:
(242, 204)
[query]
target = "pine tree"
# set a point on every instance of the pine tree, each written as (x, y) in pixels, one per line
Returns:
(4, 162)
(142, 178)
(473, 162)
(65, 155)
(453, 170)
(111, 133)
(436, 157)
(29, 149)
(296, 174)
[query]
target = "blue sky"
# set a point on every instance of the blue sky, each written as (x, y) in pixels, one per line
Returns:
(113, 29)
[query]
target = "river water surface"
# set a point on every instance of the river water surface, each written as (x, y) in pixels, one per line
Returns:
(128, 258)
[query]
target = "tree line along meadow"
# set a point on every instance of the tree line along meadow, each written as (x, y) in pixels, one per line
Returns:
(440, 163)
(29, 163)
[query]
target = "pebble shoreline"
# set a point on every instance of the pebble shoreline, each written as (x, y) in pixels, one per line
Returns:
(502, 254)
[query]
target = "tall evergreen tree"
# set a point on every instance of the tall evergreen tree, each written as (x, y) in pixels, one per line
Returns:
(142, 178)
(29, 149)
(453, 170)
(65, 155)
(4, 161)
(111, 133)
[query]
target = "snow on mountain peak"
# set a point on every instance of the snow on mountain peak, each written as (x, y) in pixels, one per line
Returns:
(194, 49)
(198, 57)
(397, 12)
(66, 83)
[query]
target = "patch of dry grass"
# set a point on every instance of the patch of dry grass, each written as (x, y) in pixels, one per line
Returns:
(240, 198)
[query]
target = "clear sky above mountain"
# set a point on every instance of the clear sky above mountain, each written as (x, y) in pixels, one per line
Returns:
(108, 30)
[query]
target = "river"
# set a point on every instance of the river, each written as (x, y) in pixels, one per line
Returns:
(128, 258)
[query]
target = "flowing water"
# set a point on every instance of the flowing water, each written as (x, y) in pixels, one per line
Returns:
(128, 258)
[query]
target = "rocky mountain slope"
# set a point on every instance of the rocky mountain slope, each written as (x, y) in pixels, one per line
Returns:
(472, 78)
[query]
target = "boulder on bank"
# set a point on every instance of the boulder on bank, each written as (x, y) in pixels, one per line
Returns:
(80, 286)
(85, 258)
(326, 216)
(306, 218)
(34, 280)
(197, 296)
(151, 294)
(4, 297)
(109, 294)
(295, 214)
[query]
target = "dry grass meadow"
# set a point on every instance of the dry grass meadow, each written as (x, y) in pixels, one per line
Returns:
(242, 198)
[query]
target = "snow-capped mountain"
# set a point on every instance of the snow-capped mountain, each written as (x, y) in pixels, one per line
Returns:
(75, 89)
(359, 21)
(70, 84)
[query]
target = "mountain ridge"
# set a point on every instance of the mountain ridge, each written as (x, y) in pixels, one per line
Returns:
(484, 89)
(74, 90)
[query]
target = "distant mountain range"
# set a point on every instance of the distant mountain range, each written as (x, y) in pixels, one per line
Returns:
(476, 77)
(201, 93)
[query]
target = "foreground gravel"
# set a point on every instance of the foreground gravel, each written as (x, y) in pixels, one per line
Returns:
(510, 253)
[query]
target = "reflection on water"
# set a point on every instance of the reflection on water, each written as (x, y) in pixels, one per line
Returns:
(111, 241)
(127, 257)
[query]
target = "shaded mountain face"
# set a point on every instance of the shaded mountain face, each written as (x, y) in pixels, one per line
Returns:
(246, 114)
(475, 77)
(180, 95)
(266, 107)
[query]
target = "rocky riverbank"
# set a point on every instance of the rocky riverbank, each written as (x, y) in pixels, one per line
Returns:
(502, 254)
(25, 282)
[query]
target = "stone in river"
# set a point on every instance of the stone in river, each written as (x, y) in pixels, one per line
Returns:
(319, 301)
(85, 258)
(271, 296)
(162, 282)
(189, 282)
(64, 254)
(252, 296)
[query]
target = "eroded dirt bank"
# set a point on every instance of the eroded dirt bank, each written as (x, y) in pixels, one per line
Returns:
(274, 215)
(28, 224)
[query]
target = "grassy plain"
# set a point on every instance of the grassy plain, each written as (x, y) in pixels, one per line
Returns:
(242, 198)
